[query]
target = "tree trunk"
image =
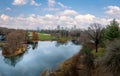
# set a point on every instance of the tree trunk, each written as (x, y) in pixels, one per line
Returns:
(96, 46)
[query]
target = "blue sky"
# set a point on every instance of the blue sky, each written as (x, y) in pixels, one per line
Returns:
(16, 10)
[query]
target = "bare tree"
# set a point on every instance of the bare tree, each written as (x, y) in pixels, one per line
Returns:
(95, 32)
(14, 40)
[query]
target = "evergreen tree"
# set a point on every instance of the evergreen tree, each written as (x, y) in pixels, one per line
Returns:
(112, 31)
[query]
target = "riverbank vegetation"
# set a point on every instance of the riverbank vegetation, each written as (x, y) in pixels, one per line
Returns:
(56, 35)
(15, 42)
(99, 55)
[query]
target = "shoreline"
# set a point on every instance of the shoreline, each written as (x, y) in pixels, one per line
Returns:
(18, 52)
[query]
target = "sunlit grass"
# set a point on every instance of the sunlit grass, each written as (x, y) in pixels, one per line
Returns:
(98, 54)
(49, 37)
(44, 37)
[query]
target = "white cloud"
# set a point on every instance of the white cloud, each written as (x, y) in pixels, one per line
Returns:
(69, 12)
(54, 6)
(51, 3)
(34, 3)
(62, 5)
(20, 2)
(85, 18)
(4, 17)
(23, 2)
(51, 6)
(51, 9)
(114, 11)
(64, 19)
(49, 16)
(8, 9)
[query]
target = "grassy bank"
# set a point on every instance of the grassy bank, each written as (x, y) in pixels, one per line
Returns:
(98, 54)
(2, 44)
(63, 39)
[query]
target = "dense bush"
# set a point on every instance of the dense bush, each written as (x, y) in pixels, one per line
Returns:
(112, 57)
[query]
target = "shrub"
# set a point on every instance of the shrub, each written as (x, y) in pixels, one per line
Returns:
(112, 57)
(88, 60)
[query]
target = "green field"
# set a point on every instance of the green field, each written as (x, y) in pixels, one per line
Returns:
(49, 37)
(44, 37)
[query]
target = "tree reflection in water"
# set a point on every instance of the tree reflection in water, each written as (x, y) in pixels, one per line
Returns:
(34, 45)
(76, 42)
(60, 43)
(14, 59)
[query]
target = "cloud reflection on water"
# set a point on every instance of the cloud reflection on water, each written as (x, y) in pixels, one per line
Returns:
(46, 55)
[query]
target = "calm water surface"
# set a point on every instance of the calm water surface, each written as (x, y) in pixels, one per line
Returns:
(47, 55)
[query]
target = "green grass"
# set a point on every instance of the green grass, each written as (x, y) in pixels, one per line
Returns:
(99, 53)
(49, 37)
(44, 37)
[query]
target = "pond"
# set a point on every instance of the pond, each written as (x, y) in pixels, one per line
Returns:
(48, 54)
